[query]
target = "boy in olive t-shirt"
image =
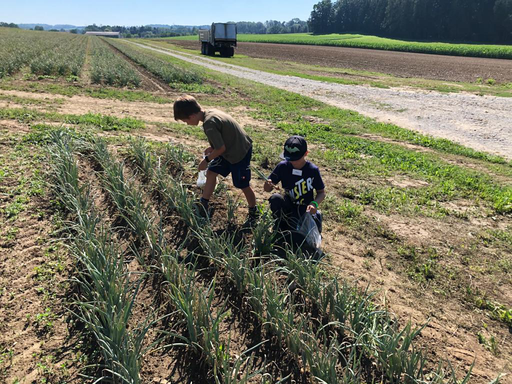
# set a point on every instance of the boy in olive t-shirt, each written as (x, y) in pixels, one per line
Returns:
(230, 150)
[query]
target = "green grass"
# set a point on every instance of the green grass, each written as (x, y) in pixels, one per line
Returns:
(103, 122)
(374, 42)
(95, 92)
(30, 101)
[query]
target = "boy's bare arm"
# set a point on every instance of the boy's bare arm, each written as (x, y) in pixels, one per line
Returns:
(216, 152)
(212, 155)
(320, 196)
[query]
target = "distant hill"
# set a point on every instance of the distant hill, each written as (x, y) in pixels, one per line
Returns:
(47, 27)
(67, 27)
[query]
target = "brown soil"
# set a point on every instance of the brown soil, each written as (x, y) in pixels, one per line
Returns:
(401, 64)
(36, 341)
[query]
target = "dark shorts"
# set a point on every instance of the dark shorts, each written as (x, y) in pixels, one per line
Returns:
(240, 172)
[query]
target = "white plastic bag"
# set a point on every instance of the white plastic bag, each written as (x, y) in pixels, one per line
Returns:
(308, 228)
(201, 179)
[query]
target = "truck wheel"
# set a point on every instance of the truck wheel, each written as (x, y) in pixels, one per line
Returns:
(231, 52)
(210, 50)
(203, 48)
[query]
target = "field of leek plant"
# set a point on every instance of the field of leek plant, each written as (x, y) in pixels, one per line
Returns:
(110, 274)
(326, 330)
(63, 55)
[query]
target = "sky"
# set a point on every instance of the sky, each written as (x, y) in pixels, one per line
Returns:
(130, 12)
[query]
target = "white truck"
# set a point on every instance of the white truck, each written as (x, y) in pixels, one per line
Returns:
(221, 37)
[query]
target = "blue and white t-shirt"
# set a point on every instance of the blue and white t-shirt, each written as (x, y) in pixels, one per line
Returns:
(298, 183)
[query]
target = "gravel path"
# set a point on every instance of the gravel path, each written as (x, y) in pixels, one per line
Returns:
(480, 122)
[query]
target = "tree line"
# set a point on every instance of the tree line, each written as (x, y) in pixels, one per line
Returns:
(272, 26)
(438, 20)
(8, 25)
(144, 31)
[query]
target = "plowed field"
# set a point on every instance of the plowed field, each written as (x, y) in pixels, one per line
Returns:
(434, 67)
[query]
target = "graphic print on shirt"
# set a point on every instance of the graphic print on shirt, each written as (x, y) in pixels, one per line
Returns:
(301, 189)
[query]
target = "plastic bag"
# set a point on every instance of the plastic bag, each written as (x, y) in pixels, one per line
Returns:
(308, 228)
(201, 179)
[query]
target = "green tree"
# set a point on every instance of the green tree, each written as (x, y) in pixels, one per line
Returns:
(503, 20)
(8, 25)
(38, 28)
(320, 21)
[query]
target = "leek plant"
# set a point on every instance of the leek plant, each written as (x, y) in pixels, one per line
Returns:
(176, 160)
(144, 160)
(232, 206)
(264, 236)
(127, 198)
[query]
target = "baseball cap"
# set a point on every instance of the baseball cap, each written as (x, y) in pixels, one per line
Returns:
(294, 148)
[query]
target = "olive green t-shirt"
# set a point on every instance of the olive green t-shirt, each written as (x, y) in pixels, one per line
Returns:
(221, 129)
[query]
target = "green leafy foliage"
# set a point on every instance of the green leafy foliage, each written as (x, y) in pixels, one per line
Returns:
(109, 68)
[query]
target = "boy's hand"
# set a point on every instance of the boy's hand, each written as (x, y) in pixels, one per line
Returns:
(208, 150)
(268, 186)
(203, 165)
(311, 209)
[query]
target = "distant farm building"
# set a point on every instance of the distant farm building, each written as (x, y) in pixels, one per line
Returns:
(105, 34)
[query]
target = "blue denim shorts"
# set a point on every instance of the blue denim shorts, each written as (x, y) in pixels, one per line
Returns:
(240, 172)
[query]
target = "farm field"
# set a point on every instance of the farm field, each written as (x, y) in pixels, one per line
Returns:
(106, 268)
(371, 67)
(374, 42)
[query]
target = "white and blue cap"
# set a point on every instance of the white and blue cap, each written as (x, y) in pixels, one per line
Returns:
(294, 148)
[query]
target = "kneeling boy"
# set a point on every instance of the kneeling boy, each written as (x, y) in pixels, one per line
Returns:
(300, 180)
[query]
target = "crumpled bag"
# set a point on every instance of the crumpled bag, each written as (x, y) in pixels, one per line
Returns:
(307, 227)
(201, 179)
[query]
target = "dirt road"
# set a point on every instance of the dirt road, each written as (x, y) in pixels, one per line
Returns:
(480, 122)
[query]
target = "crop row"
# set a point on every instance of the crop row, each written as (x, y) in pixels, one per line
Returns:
(106, 295)
(166, 71)
(109, 68)
(331, 331)
(19, 48)
(66, 59)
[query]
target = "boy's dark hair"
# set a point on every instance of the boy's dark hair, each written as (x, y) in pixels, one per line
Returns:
(185, 106)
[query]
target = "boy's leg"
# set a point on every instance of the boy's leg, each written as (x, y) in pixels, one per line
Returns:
(209, 187)
(250, 196)
(253, 210)
(218, 166)
(241, 175)
(281, 210)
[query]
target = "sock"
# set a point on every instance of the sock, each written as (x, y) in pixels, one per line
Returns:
(204, 202)
(253, 211)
